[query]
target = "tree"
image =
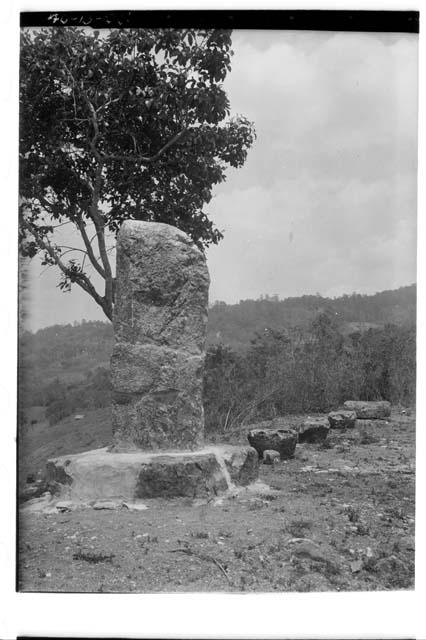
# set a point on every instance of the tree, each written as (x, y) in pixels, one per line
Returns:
(128, 124)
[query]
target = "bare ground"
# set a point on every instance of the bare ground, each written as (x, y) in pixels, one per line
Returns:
(338, 517)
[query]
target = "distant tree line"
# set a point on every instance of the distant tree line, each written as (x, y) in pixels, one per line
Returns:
(234, 324)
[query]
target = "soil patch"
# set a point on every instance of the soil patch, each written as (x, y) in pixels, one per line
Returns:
(339, 516)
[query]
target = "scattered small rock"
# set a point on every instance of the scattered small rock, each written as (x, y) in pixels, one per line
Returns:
(105, 504)
(309, 549)
(134, 506)
(407, 542)
(270, 457)
(356, 566)
(64, 505)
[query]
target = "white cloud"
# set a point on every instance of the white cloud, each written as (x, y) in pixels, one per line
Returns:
(302, 237)
(334, 167)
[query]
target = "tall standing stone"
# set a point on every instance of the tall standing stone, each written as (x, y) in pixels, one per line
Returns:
(160, 321)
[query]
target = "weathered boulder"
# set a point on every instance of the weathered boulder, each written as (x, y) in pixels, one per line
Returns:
(369, 410)
(198, 475)
(33, 490)
(160, 319)
(270, 457)
(313, 430)
(282, 440)
(343, 419)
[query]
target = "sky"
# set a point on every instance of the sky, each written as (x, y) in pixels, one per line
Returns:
(326, 201)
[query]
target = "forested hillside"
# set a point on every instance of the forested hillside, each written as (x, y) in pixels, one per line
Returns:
(235, 324)
(264, 357)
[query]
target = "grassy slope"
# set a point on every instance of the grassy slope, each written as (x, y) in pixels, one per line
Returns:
(41, 441)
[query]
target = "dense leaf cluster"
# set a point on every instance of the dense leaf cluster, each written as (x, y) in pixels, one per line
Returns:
(124, 124)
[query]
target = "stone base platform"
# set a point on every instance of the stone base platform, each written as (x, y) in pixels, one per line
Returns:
(103, 475)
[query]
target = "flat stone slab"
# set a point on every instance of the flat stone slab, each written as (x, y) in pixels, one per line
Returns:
(369, 410)
(368, 424)
(104, 475)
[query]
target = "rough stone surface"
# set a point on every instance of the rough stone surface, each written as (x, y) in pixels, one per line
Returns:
(104, 476)
(344, 419)
(369, 410)
(160, 320)
(270, 457)
(64, 506)
(312, 431)
(282, 440)
(33, 490)
(279, 422)
(242, 464)
(195, 476)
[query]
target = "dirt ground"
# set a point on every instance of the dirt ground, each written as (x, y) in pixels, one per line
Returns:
(337, 517)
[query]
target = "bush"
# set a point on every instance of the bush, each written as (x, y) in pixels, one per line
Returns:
(316, 370)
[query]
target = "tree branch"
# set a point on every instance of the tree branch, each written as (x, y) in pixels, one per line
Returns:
(89, 248)
(100, 233)
(80, 278)
(125, 158)
(146, 159)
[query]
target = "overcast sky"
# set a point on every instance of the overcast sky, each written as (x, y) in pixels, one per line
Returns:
(326, 201)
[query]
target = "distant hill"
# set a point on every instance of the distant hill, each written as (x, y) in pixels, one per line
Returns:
(235, 324)
(69, 353)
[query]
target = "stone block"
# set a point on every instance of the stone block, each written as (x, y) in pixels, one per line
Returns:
(282, 440)
(343, 419)
(369, 410)
(313, 431)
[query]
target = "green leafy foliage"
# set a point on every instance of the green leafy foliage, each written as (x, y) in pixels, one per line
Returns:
(131, 124)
